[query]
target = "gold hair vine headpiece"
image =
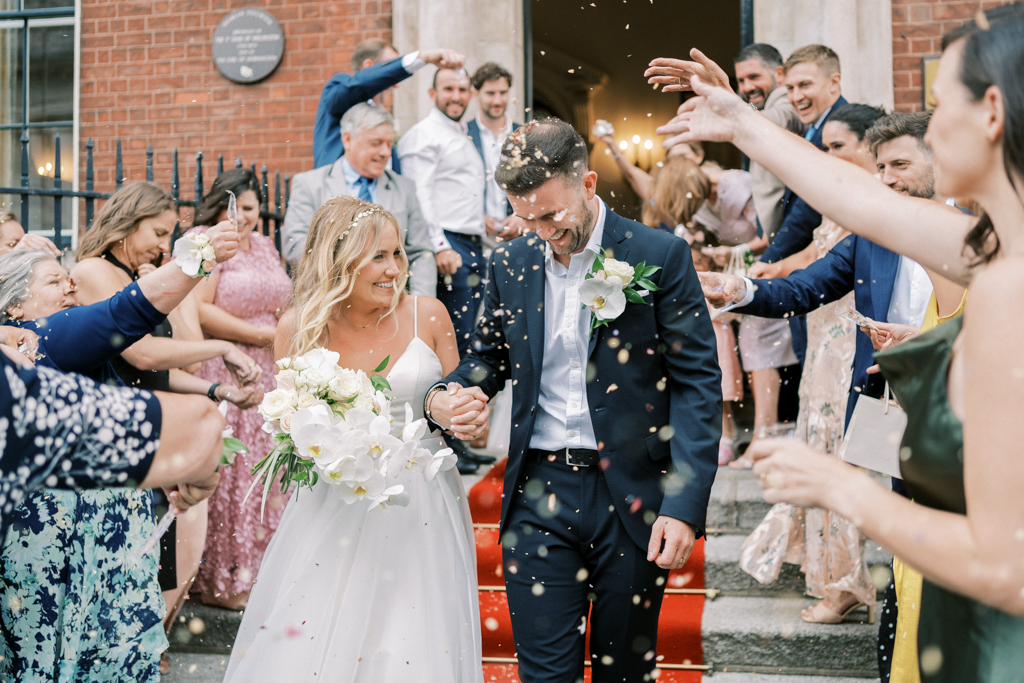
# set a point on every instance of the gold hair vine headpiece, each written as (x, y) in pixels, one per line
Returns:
(362, 214)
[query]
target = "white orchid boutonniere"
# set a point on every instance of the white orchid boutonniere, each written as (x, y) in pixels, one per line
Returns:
(195, 255)
(612, 284)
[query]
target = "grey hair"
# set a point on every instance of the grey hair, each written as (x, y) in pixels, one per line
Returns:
(16, 269)
(365, 116)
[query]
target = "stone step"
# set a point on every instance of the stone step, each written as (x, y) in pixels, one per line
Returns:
(204, 629)
(734, 677)
(765, 633)
(736, 503)
(191, 667)
(722, 570)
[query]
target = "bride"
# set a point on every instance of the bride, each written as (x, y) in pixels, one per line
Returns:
(347, 593)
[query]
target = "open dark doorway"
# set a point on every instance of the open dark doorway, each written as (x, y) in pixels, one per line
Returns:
(588, 59)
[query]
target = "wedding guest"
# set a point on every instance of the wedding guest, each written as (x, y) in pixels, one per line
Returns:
(13, 236)
(368, 132)
(963, 435)
(488, 129)
(828, 548)
(376, 72)
(680, 192)
(240, 302)
(449, 177)
(64, 544)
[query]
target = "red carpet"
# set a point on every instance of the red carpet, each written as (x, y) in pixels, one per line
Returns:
(679, 640)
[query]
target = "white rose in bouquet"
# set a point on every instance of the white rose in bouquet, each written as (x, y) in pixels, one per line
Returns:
(275, 403)
(344, 386)
(619, 269)
(286, 379)
(306, 400)
(286, 419)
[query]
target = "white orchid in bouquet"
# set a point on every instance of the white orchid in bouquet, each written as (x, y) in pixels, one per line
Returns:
(335, 423)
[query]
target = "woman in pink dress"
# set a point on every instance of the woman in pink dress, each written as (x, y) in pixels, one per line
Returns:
(240, 302)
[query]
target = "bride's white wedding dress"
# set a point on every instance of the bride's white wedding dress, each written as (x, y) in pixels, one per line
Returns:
(348, 594)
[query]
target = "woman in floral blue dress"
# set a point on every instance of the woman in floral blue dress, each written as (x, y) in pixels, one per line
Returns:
(78, 599)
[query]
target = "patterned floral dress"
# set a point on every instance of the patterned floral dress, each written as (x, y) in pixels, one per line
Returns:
(828, 548)
(253, 286)
(78, 601)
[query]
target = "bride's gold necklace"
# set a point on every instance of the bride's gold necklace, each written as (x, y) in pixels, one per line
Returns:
(362, 327)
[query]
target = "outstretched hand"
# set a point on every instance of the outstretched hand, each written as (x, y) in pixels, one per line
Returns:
(714, 116)
(721, 289)
(675, 74)
(677, 537)
(184, 496)
(443, 58)
(790, 471)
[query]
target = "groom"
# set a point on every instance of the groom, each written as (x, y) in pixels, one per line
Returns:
(614, 433)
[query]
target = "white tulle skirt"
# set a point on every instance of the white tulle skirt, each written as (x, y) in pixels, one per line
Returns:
(348, 594)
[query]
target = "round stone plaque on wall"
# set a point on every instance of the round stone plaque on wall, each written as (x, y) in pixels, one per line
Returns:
(248, 45)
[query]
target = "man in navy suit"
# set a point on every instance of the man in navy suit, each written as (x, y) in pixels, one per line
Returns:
(887, 287)
(615, 430)
(376, 71)
(488, 131)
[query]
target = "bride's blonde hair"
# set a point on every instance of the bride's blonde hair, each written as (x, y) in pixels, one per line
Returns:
(344, 236)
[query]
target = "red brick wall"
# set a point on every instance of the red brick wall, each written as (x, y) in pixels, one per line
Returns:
(917, 30)
(148, 77)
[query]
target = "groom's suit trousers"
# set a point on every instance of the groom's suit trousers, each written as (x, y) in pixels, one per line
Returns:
(565, 546)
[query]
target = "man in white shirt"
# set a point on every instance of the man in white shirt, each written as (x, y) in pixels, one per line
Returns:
(488, 130)
(449, 175)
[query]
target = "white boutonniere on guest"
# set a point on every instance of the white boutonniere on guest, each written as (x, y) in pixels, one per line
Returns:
(612, 284)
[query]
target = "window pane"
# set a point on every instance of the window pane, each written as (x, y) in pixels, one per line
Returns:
(10, 75)
(41, 172)
(44, 4)
(51, 73)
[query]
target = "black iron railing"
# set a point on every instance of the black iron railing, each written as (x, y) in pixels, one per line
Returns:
(272, 217)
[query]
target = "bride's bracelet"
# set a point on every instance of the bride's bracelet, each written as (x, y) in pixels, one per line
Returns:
(194, 254)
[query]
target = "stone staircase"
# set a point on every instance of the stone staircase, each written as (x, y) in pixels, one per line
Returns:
(751, 633)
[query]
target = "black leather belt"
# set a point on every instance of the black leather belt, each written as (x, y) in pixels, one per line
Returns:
(575, 457)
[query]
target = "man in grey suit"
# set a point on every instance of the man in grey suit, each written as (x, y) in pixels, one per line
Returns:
(368, 133)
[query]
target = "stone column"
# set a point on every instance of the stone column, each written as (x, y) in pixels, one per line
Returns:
(483, 30)
(860, 31)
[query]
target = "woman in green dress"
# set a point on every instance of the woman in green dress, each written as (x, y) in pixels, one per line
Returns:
(963, 450)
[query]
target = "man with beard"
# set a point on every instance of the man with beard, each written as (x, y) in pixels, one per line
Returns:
(615, 444)
(887, 287)
(488, 130)
(449, 175)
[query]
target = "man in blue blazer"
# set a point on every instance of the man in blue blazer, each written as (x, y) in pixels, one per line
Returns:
(376, 70)
(615, 430)
(813, 84)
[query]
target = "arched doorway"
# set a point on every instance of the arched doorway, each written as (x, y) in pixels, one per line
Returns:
(588, 60)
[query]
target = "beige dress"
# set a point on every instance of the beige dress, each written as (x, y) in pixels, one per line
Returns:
(828, 548)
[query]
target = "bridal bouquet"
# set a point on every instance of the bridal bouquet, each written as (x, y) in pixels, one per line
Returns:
(332, 422)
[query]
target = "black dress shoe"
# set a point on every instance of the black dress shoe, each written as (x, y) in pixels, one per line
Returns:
(466, 467)
(483, 459)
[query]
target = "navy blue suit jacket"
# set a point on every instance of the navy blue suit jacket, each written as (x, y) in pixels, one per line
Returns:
(473, 131)
(340, 94)
(671, 378)
(854, 264)
(799, 220)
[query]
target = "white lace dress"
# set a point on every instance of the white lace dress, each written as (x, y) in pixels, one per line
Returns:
(349, 594)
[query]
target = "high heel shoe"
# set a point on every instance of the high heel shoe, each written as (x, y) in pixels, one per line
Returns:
(820, 613)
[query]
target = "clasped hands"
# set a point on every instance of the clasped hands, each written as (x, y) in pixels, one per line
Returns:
(461, 410)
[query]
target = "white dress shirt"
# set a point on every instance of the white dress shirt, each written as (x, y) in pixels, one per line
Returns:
(910, 294)
(449, 175)
(563, 418)
(495, 201)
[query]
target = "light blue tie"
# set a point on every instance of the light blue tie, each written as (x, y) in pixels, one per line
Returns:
(364, 189)
(810, 133)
